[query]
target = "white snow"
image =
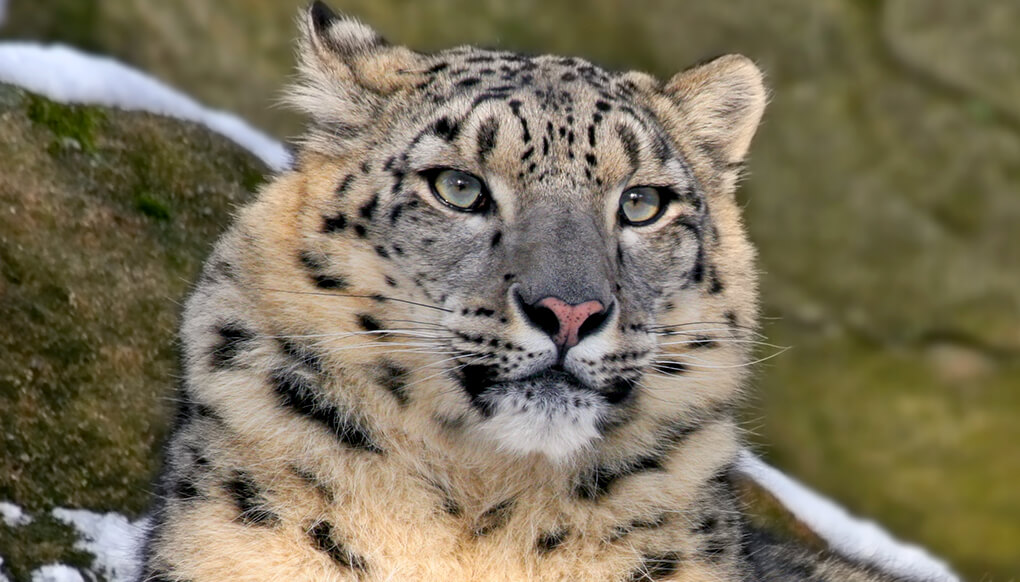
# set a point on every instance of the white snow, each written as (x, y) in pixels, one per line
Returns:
(849, 536)
(56, 573)
(110, 537)
(13, 515)
(67, 75)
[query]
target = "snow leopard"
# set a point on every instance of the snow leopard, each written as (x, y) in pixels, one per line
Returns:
(494, 323)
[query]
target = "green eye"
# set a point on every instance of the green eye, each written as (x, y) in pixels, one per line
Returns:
(641, 205)
(459, 190)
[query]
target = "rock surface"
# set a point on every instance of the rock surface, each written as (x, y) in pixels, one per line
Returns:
(883, 191)
(104, 219)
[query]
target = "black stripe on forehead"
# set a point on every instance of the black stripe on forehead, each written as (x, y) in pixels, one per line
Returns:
(630, 145)
(486, 137)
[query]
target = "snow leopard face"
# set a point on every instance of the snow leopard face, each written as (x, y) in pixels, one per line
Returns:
(549, 251)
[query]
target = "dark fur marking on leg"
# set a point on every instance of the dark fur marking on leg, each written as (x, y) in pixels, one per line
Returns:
(297, 393)
(656, 567)
(249, 500)
(595, 484)
(621, 531)
(234, 338)
(551, 540)
(324, 540)
(493, 518)
(310, 479)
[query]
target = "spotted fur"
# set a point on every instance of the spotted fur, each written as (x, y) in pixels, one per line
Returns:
(372, 388)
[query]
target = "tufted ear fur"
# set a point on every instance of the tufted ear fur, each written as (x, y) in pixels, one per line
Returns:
(721, 103)
(346, 70)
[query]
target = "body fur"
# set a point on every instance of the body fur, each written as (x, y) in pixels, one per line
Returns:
(369, 391)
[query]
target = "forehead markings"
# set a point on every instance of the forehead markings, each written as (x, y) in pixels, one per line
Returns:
(485, 138)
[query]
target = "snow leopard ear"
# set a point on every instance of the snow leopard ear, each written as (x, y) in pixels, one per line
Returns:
(346, 69)
(720, 104)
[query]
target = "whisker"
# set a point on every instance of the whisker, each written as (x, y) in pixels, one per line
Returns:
(358, 296)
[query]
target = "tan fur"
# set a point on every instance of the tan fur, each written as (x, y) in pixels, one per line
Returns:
(260, 483)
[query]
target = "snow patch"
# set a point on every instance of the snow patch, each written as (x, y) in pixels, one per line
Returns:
(2, 577)
(13, 515)
(855, 538)
(56, 573)
(67, 75)
(110, 537)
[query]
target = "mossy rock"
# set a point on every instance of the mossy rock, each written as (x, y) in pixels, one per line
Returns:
(106, 217)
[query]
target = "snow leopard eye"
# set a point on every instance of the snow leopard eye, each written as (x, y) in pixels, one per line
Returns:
(641, 205)
(458, 190)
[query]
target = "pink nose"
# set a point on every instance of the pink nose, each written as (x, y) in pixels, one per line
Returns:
(570, 317)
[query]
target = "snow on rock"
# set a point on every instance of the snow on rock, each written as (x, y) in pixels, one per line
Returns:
(13, 515)
(857, 539)
(110, 537)
(70, 76)
(56, 573)
(2, 577)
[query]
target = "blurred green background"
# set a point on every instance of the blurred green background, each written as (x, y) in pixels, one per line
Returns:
(884, 194)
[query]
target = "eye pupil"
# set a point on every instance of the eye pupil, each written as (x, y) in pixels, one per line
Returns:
(457, 189)
(641, 205)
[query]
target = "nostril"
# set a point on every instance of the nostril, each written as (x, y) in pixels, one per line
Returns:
(543, 318)
(594, 323)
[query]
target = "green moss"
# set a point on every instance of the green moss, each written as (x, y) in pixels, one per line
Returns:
(152, 207)
(75, 122)
(45, 540)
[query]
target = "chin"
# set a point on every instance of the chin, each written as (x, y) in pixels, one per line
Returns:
(555, 419)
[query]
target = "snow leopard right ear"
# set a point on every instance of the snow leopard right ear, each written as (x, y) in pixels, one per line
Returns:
(346, 69)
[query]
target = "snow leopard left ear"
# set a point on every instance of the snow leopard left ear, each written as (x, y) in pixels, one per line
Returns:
(346, 69)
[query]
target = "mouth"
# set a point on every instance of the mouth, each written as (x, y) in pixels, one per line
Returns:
(554, 386)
